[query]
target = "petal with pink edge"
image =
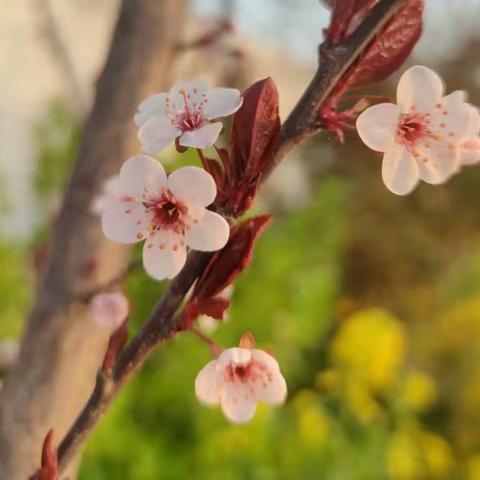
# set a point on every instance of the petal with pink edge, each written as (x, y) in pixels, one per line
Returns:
(399, 170)
(221, 102)
(206, 384)
(139, 173)
(193, 185)
(164, 255)
(124, 222)
(376, 126)
(154, 105)
(209, 234)
(157, 133)
(202, 137)
(238, 402)
(419, 87)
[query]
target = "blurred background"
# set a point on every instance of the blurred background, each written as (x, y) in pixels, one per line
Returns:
(371, 302)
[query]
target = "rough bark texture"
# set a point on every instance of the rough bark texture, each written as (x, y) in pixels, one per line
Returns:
(61, 351)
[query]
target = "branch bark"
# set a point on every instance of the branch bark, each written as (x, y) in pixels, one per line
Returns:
(163, 322)
(60, 352)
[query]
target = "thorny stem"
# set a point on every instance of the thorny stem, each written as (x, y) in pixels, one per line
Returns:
(163, 322)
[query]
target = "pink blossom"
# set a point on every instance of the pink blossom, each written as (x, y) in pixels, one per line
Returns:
(169, 213)
(238, 379)
(420, 136)
(185, 112)
(109, 309)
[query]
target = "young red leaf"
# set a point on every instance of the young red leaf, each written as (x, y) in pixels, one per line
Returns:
(213, 307)
(49, 462)
(391, 47)
(223, 268)
(342, 13)
(117, 341)
(254, 137)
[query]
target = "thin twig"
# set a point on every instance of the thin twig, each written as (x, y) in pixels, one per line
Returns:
(335, 60)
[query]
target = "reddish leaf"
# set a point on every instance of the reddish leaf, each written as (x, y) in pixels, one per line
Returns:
(117, 341)
(391, 47)
(228, 263)
(223, 268)
(49, 462)
(342, 13)
(254, 137)
(213, 307)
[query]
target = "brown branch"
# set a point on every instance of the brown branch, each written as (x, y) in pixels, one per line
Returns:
(60, 352)
(335, 60)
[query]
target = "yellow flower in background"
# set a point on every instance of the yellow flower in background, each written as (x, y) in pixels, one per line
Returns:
(473, 468)
(416, 454)
(313, 422)
(370, 347)
(313, 426)
(403, 458)
(362, 403)
(419, 391)
(437, 454)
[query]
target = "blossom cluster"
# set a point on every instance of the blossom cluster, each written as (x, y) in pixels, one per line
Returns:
(170, 213)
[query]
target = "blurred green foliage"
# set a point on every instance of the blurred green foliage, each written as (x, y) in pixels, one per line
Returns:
(375, 324)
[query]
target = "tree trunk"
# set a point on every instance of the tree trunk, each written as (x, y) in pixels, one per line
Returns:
(61, 349)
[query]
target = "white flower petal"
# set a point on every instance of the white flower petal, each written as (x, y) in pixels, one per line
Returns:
(209, 234)
(164, 255)
(419, 87)
(437, 163)
(270, 386)
(453, 122)
(376, 126)
(206, 384)
(235, 355)
(474, 124)
(221, 102)
(399, 170)
(458, 96)
(439, 157)
(157, 133)
(141, 172)
(194, 91)
(202, 137)
(154, 105)
(124, 221)
(110, 191)
(470, 151)
(238, 403)
(193, 185)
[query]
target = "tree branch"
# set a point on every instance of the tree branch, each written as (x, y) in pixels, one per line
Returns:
(61, 349)
(335, 60)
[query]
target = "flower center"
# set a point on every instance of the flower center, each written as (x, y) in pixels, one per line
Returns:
(168, 212)
(191, 117)
(412, 127)
(238, 372)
